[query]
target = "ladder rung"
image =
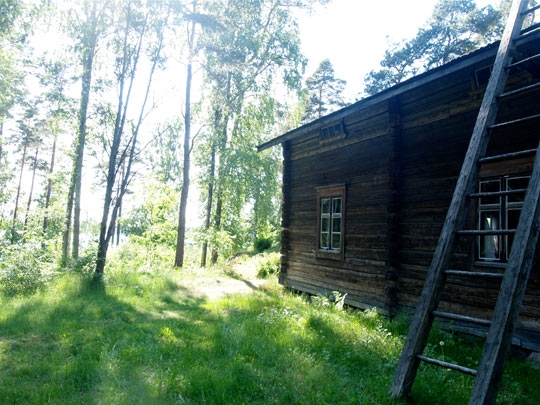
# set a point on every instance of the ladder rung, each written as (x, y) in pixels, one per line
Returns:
(522, 61)
(463, 273)
(513, 155)
(498, 193)
(513, 122)
(486, 232)
(531, 10)
(520, 90)
(445, 364)
(462, 318)
(529, 29)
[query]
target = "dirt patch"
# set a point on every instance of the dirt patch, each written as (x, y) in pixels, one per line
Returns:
(241, 279)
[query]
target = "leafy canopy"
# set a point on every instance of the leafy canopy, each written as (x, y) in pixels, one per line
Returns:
(455, 28)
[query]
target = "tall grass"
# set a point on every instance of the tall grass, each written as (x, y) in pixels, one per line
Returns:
(143, 339)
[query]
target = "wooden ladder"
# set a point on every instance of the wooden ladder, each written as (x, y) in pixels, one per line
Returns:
(514, 279)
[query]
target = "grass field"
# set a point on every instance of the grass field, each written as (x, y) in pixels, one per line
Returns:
(142, 338)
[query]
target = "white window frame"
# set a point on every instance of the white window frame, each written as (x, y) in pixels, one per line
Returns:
(331, 222)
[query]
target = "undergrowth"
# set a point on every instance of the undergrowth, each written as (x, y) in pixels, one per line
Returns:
(141, 338)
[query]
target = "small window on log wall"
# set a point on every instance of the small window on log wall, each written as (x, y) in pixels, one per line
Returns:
(331, 222)
(482, 76)
(498, 212)
(331, 132)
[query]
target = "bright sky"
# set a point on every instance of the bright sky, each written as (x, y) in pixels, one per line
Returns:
(353, 34)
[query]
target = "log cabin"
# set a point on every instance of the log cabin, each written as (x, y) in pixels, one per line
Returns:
(366, 190)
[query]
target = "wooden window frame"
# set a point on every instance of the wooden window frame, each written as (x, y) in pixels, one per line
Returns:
(482, 75)
(332, 132)
(333, 193)
(502, 206)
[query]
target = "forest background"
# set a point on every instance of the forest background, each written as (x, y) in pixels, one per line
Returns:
(137, 120)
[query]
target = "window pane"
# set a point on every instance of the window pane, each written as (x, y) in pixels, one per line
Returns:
(324, 133)
(489, 220)
(336, 224)
(336, 205)
(491, 186)
(325, 206)
(325, 224)
(517, 183)
(512, 221)
(336, 241)
(331, 132)
(324, 240)
(489, 244)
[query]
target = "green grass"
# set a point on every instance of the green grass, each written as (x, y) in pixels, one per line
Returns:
(143, 339)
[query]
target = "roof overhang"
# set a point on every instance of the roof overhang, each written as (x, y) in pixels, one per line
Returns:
(432, 75)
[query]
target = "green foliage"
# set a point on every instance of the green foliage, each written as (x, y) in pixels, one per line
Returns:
(11, 9)
(269, 265)
(261, 244)
(86, 262)
(154, 221)
(24, 268)
(145, 338)
(164, 152)
(243, 63)
(454, 29)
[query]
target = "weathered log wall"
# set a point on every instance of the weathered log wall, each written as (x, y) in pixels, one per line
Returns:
(400, 160)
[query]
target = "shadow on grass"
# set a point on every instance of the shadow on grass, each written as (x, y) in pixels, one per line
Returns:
(88, 345)
(145, 340)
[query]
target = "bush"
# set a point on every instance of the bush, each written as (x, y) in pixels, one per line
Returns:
(22, 270)
(269, 265)
(262, 244)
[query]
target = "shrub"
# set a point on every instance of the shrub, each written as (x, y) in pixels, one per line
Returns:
(23, 269)
(262, 244)
(86, 263)
(269, 265)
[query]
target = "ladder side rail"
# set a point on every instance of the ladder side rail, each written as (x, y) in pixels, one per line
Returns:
(511, 295)
(423, 317)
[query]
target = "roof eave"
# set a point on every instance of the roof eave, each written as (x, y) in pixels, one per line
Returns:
(463, 62)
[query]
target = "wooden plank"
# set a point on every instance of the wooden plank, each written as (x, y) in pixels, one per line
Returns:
(462, 318)
(445, 364)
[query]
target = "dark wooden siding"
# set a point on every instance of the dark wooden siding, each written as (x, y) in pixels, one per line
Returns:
(400, 161)
(361, 162)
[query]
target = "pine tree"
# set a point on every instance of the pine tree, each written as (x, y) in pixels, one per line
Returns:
(325, 92)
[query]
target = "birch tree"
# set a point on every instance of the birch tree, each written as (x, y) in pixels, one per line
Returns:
(142, 27)
(87, 28)
(181, 230)
(257, 44)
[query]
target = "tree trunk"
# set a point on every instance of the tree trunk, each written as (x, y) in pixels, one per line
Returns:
(118, 227)
(49, 187)
(180, 241)
(77, 178)
(16, 209)
(209, 202)
(104, 238)
(217, 225)
(73, 208)
(32, 183)
(107, 226)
